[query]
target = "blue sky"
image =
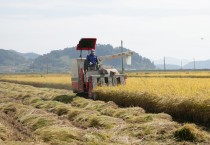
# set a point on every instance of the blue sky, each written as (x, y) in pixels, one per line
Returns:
(153, 28)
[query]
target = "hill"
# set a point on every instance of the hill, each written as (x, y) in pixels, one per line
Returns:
(168, 67)
(205, 64)
(198, 65)
(27, 56)
(175, 64)
(10, 58)
(13, 61)
(60, 60)
(30, 55)
(172, 61)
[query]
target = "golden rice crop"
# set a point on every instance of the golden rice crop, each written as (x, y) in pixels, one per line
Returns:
(60, 81)
(48, 117)
(185, 98)
(97, 121)
(175, 74)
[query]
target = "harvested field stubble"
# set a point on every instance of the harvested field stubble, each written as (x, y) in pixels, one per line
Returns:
(83, 121)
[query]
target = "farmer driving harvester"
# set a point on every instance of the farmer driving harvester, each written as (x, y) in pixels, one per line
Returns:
(91, 61)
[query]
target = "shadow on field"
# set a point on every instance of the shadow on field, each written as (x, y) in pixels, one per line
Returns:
(82, 94)
(65, 98)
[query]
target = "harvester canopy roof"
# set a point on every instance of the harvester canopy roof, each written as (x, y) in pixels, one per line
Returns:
(87, 44)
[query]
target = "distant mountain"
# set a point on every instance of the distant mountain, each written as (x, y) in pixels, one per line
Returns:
(10, 58)
(13, 61)
(60, 60)
(30, 55)
(171, 64)
(198, 65)
(172, 61)
(168, 67)
(27, 56)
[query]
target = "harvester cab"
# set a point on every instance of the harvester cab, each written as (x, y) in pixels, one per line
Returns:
(85, 79)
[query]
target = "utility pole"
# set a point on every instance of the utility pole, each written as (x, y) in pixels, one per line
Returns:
(181, 64)
(122, 57)
(47, 64)
(33, 66)
(194, 62)
(164, 63)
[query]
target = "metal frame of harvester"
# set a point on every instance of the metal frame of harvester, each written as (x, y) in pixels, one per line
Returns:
(85, 81)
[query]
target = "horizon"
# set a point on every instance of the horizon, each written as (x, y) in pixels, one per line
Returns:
(156, 60)
(154, 29)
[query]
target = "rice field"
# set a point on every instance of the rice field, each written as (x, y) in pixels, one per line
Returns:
(171, 74)
(46, 116)
(183, 95)
(183, 98)
(59, 81)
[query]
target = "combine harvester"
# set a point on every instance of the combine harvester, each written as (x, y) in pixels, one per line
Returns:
(84, 78)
